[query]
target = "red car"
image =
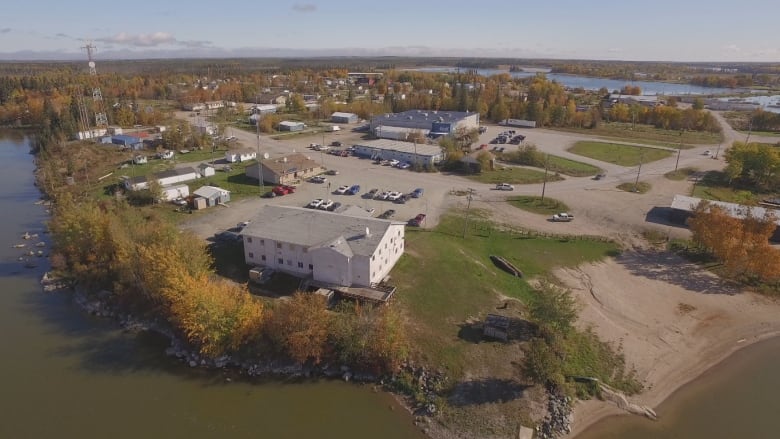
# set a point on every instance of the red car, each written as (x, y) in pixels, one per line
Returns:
(283, 190)
(417, 221)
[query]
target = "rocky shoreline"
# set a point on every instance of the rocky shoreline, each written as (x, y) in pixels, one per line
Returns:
(416, 384)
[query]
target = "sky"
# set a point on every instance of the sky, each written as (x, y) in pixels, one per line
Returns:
(659, 30)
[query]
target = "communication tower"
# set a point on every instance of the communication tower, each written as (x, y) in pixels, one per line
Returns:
(101, 120)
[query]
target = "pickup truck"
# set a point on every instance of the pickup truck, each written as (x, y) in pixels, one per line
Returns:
(562, 217)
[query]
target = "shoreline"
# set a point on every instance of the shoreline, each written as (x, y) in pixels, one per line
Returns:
(671, 332)
(588, 414)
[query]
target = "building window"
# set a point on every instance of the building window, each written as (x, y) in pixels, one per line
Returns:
(280, 261)
(249, 240)
(251, 255)
(300, 264)
(311, 267)
(278, 245)
(262, 242)
(262, 257)
(289, 262)
(373, 257)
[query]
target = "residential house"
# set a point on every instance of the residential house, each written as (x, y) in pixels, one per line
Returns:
(286, 170)
(209, 196)
(240, 155)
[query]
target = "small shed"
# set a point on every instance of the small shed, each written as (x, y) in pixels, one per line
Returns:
(205, 170)
(287, 125)
(242, 155)
(339, 117)
(208, 196)
(126, 141)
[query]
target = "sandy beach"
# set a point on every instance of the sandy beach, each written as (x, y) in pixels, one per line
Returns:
(672, 320)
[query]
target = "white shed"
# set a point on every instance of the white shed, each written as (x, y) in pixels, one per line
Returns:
(175, 191)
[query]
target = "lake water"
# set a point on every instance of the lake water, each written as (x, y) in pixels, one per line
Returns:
(736, 399)
(589, 83)
(65, 374)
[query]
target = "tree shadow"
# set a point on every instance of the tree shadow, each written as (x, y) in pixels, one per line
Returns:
(669, 267)
(486, 391)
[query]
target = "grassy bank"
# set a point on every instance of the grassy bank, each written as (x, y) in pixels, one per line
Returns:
(513, 175)
(639, 188)
(533, 204)
(714, 186)
(623, 155)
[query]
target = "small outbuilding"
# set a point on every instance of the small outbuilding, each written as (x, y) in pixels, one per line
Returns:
(287, 125)
(205, 170)
(240, 155)
(339, 117)
(173, 192)
(208, 196)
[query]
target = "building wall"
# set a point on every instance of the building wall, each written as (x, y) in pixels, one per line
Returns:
(267, 252)
(385, 154)
(296, 127)
(173, 192)
(343, 119)
(331, 266)
(168, 181)
(387, 253)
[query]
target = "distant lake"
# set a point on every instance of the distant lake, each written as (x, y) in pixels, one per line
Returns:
(767, 103)
(589, 83)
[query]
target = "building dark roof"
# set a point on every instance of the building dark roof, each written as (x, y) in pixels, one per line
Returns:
(174, 172)
(126, 139)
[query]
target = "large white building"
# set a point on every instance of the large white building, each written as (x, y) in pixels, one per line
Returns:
(326, 247)
(413, 153)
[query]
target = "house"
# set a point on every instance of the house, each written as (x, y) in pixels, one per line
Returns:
(164, 178)
(323, 246)
(276, 99)
(287, 125)
(286, 170)
(209, 196)
(205, 170)
(263, 109)
(241, 155)
(129, 142)
(168, 193)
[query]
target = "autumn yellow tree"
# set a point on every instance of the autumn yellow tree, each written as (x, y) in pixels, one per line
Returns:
(300, 327)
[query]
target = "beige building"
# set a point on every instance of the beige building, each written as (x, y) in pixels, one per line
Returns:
(286, 170)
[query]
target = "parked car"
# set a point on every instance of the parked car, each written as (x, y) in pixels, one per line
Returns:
(353, 190)
(394, 162)
(314, 145)
(418, 220)
(504, 187)
(387, 214)
(335, 143)
(332, 172)
(325, 205)
(392, 196)
(371, 193)
(334, 206)
(382, 195)
(269, 194)
(342, 190)
(318, 179)
(599, 176)
(313, 204)
(283, 190)
(403, 165)
(403, 199)
(417, 193)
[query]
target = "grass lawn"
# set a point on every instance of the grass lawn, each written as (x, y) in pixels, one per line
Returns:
(623, 155)
(444, 280)
(648, 134)
(570, 167)
(513, 175)
(640, 188)
(680, 174)
(235, 181)
(535, 204)
(714, 186)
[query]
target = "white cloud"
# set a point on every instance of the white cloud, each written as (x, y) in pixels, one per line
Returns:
(140, 40)
(731, 48)
(304, 7)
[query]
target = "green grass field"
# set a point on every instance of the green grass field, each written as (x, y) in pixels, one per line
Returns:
(640, 188)
(570, 167)
(623, 155)
(513, 175)
(680, 174)
(714, 186)
(649, 134)
(444, 280)
(535, 204)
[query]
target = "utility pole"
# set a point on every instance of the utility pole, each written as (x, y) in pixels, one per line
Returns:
(259, 157)
(717, 150)
(468, 208)
(678, 152)
(638, 171)
(544, 185)
(750, 130)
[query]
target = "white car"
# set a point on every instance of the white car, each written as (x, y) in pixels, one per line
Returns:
(315, 203)
(382, 195)
(342, 190)
(403, 165)
(504, 187)
(392, 196)
(394, 162)
(325, 205)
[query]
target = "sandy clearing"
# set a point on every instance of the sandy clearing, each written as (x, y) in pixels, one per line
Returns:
(634, 301)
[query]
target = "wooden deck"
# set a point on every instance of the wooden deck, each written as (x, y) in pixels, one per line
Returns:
(376, 294)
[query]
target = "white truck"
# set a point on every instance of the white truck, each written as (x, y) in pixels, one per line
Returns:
(562, 217)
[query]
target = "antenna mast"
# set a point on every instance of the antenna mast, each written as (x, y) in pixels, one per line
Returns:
(101, 119)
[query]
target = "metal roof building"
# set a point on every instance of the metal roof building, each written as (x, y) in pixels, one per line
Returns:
(414, 153)
(324, 246)
(435, 122)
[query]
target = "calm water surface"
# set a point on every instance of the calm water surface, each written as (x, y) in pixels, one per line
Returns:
(67, 375)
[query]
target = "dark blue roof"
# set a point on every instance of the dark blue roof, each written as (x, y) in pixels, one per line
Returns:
(126, 139)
